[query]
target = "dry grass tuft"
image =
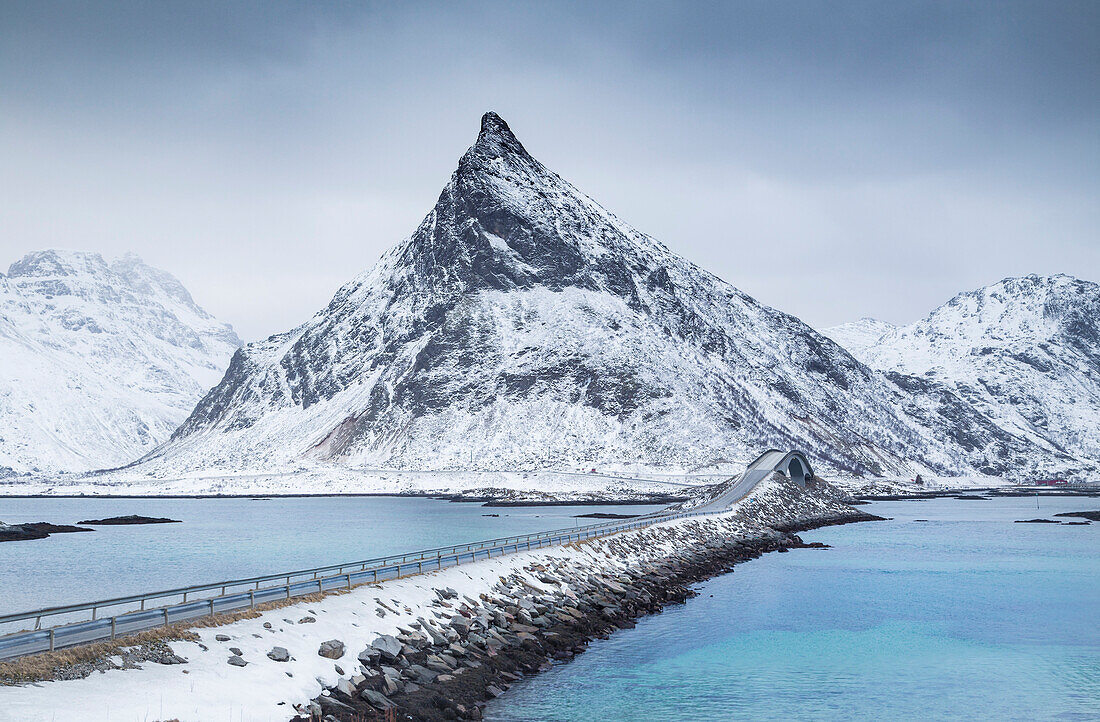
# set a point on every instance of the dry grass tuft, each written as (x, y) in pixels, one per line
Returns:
(52, 665)
(48, 665)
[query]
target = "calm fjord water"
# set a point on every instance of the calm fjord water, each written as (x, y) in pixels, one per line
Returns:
(966, 615)
(223, 539)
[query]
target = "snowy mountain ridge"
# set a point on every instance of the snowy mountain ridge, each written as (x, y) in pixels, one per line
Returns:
(857, 336)
(101, 361)
(523, 326)
(1024, 351)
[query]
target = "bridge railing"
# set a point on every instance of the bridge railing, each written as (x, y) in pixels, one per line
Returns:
(133, 613)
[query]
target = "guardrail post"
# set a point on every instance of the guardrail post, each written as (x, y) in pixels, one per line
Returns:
(211, 607)
(288, 590)
(349, 580)
(112, 627)
(251, 598)
(51, 639)
(166, 616)
(93, 614)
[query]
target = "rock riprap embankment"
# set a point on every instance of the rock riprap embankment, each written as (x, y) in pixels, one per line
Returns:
(464, 650)
(439, 645)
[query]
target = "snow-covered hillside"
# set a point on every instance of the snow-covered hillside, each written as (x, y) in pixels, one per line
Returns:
(857, 336)
(99, 361)
(524, 326)
(1023, 351)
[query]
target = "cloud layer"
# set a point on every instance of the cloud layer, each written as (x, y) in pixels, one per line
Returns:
(834, 159)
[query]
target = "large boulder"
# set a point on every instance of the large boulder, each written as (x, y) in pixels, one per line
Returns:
(376, 699)
(461, 624)
(388, 646)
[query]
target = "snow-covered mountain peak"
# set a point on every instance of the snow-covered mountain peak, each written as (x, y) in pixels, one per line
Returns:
(522, 325)
(100, 360)
(496, 139)
(1025, 351)
(56, 263)
(1014, 313)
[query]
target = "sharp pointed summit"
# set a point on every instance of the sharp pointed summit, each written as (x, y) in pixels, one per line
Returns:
(522, 325)
(493, 124)
(494, 141)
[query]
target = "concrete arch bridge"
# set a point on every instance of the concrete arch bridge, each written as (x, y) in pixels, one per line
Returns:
(792, 464)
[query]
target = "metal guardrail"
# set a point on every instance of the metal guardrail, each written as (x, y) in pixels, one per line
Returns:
(229, 597)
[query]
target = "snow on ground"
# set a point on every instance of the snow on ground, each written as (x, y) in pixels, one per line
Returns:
(208, 688)
(529, 485)
(862, 485)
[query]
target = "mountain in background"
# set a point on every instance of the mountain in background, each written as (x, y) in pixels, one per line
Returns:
(1025, 352)
(524, 326)
(99, 361)
(857, 336)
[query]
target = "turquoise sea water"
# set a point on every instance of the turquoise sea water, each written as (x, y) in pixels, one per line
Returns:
(966, 615)
(223, 539)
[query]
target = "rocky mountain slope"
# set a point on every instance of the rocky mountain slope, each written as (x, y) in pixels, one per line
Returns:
(99, 361)
(524, 326)
(1025, 352)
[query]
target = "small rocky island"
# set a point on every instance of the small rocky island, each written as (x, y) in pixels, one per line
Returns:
(34, 530)
(129, 519)
(1090, 515)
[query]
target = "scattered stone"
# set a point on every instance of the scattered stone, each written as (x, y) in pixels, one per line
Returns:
(236, 661)
(307, 620)
(237, 651)
(221, 637)
(333, 649)
(279, 654)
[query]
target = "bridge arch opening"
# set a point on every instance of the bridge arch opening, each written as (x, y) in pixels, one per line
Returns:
(797, 472)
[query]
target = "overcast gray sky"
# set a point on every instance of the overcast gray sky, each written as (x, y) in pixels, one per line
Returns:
(835, 160)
